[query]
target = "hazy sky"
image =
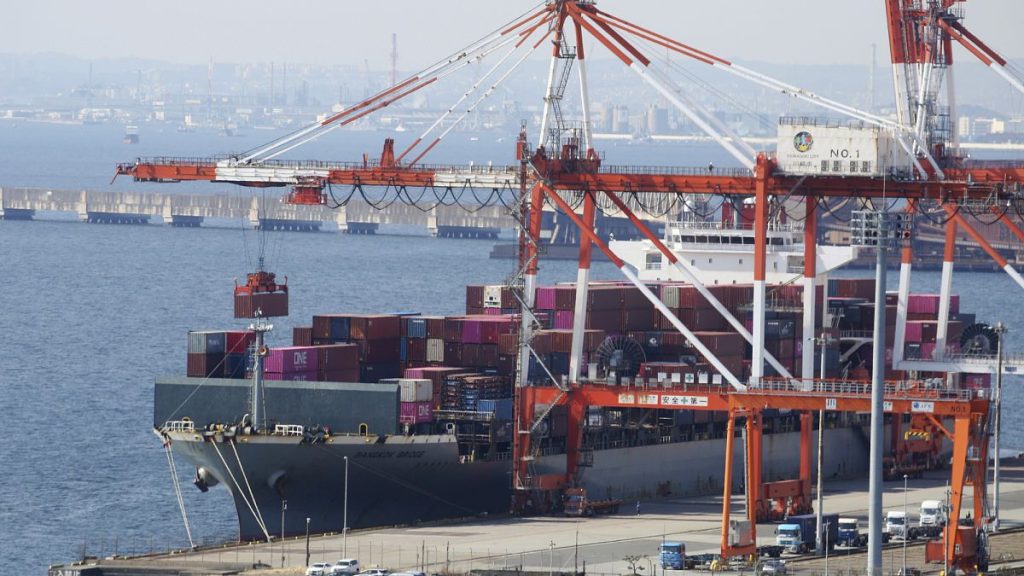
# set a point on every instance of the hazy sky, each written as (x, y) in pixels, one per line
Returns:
(349, 31)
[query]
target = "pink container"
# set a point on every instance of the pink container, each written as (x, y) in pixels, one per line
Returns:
(309, 376)
(415, 412)
(913, 331)
(291, 359)
(927, 350)
(492, 311)
(472, 331)
(414, 372)
(563, 320)
(546, 297)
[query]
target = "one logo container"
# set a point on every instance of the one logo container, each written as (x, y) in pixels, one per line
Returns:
(803, 141)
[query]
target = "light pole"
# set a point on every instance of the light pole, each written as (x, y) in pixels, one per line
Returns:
(551, 558)
(1000, 329)
(826, 547)
(307, 541)
(881, 231)
(284, 506)
(906, 525)
(344, 516)
(823, 342)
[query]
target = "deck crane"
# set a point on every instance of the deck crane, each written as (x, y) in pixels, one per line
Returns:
(564, 169)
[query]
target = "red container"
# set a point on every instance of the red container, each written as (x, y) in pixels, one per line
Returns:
(291, 359)
(205, 365)
(453, 353)
(722, 343)
(474, 296)
(604, 298)
(239, 341)
(435, 326)
(638, 319)
(375, 327)
(453, 329)
(337, 357)
(302, 336)
(470, 354)
(347, 375)
(563, 320)
(565, 297)
(508, 343)
(416, 412)
(417, 350)
(380, 351)
(307, 376)
(269, 305)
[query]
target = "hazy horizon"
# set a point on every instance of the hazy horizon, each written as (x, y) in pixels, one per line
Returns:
(191, 32)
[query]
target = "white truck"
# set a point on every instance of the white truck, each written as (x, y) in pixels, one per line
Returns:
(932, 518)
(897, 526)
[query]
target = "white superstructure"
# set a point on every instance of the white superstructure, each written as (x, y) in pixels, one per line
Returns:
(722, 254)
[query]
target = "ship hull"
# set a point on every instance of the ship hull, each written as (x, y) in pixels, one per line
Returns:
(399, 480)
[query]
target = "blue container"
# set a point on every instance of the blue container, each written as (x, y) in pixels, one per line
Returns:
(340, 328)
(416, 328)
(235, 364)
(403, 349)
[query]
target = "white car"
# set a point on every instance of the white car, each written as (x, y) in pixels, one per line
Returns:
(345, 566)
(375, 572)
(318, 569)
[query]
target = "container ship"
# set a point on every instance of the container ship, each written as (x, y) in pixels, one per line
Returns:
(412, 416)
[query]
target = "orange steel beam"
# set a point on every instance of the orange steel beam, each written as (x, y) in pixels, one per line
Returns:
(1010, 224)
(754, 467)
(806, 447)
(982, 242)
(938, 424)
(961, 431)
(721, 399)
(730, 433)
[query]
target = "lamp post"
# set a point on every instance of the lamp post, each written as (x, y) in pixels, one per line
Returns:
(906, 525)
(307, 541)
(823, 341)
(880, 231)
(551, 558)
(826, 547)
(1000, 329)
(344, 516)
(284, 506)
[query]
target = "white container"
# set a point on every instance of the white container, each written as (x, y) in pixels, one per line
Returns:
(809, 147)
(492, 296)
(415, 390)
(435, 350)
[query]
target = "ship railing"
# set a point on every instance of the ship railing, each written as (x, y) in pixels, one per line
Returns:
(179, 426)
(856, 334)
(911, 390)
(689, 224)
(288, 430)
(472, 415)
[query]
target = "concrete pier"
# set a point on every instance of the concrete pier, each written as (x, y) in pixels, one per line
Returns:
(598, 544)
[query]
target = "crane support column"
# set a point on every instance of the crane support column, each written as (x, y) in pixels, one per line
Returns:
(754, 468)
(902, 299)
(945, 291)
(760, 255)
(579, 319)
(730, 433)
(810, 293)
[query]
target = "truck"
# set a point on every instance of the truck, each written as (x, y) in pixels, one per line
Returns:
(672, 556)
(798, 534)
(577, 504)
(849, 534)
(932, 519)
(898, 527)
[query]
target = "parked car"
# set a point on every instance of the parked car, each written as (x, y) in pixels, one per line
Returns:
(375, 572)
(319, 569)
(345, 566)
(773, 567)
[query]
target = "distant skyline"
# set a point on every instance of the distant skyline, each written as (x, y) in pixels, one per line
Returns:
(351, 32)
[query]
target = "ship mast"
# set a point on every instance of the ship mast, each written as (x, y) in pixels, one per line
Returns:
(260, 327)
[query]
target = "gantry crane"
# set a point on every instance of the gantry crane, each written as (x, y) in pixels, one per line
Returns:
(922, 168)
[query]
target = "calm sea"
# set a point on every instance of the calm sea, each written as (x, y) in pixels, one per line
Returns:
(89, 314)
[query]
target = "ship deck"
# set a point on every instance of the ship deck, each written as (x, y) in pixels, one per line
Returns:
(601, 542)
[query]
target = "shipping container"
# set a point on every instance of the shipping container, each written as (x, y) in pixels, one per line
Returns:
(501, 408)
(291, 359)
(207, 342)
(415, 412)
(375, 327)
(415, 389)
(205, 365)
(377, 372)
(300, 376)
(268, 305)
(302, 336)
(335, 357)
